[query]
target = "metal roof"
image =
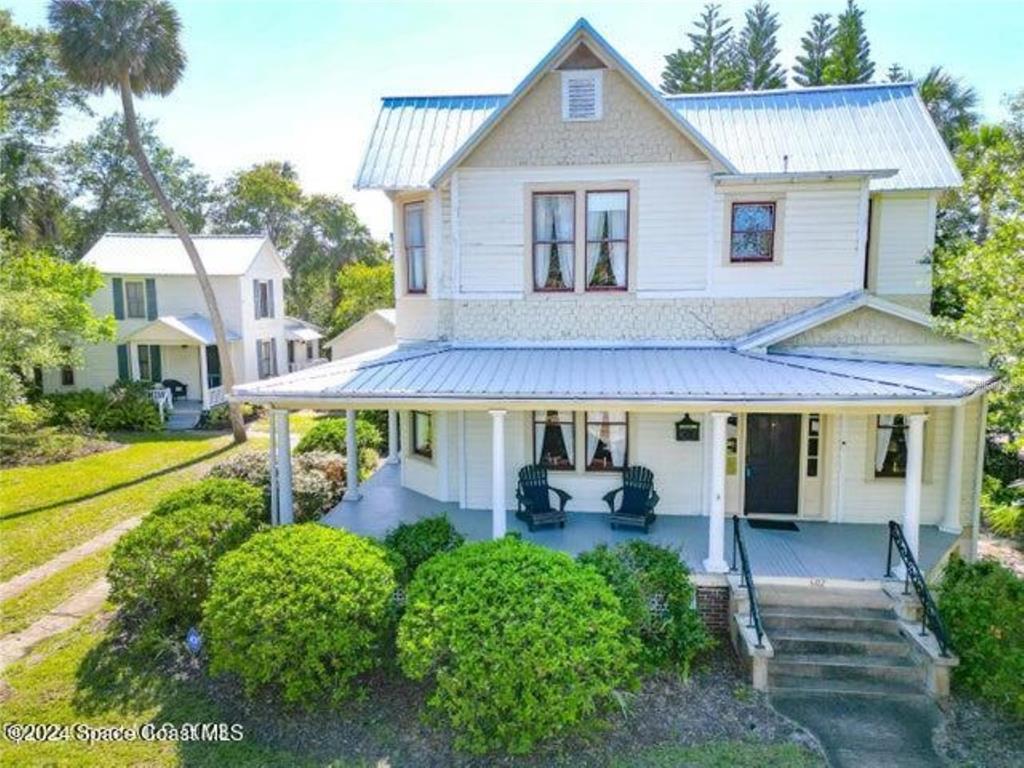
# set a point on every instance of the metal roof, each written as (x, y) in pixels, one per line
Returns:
(297, 329)
(194, 327)
(441, 372)
(163, 254)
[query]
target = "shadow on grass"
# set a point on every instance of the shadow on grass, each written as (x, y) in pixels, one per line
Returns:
(121, 486)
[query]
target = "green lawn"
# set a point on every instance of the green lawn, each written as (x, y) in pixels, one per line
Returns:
(45, 510)
(299, 422)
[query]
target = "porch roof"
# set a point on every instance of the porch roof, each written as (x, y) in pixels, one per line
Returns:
(175, 329)
(610, 374)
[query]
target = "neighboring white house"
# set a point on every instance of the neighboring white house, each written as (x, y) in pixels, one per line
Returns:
(730, 289)
(303, 340)
(163, 329)
(373, 331)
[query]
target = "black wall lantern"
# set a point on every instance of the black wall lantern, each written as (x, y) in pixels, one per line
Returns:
(687, 430)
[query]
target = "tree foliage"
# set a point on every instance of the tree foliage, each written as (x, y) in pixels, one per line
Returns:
(952, 104)
(758, 50)
(265, 198)
(364, 288)
(816, 45)
(849, 59)
(711, 63)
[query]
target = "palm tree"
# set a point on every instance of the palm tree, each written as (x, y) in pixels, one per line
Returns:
(133, 47)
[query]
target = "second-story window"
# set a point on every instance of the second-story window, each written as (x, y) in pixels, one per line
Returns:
(607, 240)
(263, 295)
(135, 298)
(415, 249)
(752, 235)
(554, 241)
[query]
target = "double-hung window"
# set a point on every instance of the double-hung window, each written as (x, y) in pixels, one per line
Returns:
(607, 440)
(554, 439)
(423, 434)
(890, 446)
(752, 232)
(415, 245)
(135, 298)
(264, 296)
(607, 240)
(266, 360)
(145, 363)
(554, 241)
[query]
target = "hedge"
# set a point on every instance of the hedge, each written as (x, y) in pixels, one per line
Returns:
(329, 434)
(418, 542)
(219, 492)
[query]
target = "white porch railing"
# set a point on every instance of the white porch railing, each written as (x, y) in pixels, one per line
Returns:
(213, 396)
(162, 400)
(299, 365)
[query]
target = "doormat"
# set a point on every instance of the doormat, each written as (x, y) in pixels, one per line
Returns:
(773, 525)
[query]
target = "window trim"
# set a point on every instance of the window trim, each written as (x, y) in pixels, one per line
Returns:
(815, 455)
(263, 308)
(429, 453)
(534, 242)
(587, 241)
(260, 374)
(422, 203)
(535, 422)
(904, 428)
(625, 457)
(772, 244)
(127, 304)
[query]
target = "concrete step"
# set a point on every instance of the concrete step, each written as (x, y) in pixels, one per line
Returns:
(848, 667)
(802, 640)
(780, 618)
(869, 687)
(770, 595)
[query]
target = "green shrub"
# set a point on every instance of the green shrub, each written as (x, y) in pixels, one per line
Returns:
(218, 492)
(218, 417)
(328, 434)
(125, 406)
(521, 642)
(161, 570)
(302, 607)
(1003, 508)
(418, 542)
(982, 605)
(653, 585)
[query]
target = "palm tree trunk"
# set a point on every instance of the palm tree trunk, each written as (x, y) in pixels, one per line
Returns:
(227, 370)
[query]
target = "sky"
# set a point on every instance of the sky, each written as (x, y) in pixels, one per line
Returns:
(300, 80)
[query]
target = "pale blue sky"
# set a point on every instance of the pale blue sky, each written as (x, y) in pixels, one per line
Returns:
(300, 79)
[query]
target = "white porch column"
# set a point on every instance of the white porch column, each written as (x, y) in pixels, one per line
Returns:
(715, 561)
(955, 472)
(912, 483)
(284, 468)
(392, 436)
(351, 458)
(497, 474)
(979, 471)
(203, 377)
(272, 463)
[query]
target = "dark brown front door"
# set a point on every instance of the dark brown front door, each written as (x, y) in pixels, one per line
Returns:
(773, 463)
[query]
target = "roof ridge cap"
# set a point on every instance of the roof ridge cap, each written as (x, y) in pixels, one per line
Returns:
(794, 91)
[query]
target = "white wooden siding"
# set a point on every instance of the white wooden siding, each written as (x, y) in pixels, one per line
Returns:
(903, 233)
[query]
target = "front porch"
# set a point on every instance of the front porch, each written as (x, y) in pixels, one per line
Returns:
(818, 550)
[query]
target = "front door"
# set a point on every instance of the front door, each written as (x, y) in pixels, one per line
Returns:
(773, 463)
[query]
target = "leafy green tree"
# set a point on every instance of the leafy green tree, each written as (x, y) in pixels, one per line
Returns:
(952, 104)
(849, 59)
(758, 50)
(816, 45)
(45, 315)
(101, 176)
(364, 288)
(134, 49)
(332, 235)
(264, 198)
(711, 64)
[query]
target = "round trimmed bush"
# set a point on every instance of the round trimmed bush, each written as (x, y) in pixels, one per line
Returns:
(418, 542)
(162, 569)
(306, 608)
(219, 492)
(653, 585)
(328, 434)
(522, 642)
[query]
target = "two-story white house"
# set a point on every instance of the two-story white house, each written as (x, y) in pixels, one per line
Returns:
(163, 329)
(729, 289)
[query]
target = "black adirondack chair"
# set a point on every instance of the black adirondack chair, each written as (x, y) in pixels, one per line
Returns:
(178, 388)
(533, 495)
(638, 499)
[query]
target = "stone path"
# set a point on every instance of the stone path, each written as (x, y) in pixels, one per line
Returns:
(23, 581)
(60, 619)
(861, 731)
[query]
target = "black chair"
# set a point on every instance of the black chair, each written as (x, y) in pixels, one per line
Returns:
(179, 389)
(533, 495)
(638, 499)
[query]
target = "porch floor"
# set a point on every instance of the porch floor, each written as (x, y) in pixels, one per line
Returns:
(853, 551)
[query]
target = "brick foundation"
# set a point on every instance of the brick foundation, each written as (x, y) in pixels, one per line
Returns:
(713, 607)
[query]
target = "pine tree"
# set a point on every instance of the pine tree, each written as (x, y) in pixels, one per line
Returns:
(712, 62)
(758, 50)
(849, 59)
(810, 68)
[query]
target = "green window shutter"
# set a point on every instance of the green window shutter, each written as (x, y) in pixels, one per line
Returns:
(151, 312)
(154, 363)
(273, 356)
(270, 298)
(118, 287)
(122, 361)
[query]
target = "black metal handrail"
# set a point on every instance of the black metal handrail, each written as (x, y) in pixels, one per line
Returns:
(930, 618)
(746, 580)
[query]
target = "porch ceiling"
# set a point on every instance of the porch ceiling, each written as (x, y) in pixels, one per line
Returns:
(475, 375)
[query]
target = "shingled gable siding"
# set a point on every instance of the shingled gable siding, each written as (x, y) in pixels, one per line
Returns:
(630, 131)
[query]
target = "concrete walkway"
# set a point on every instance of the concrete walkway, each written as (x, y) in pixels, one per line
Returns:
(60, 619)
(861, 731)
(23, 581)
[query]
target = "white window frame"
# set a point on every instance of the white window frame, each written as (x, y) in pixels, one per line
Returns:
(128, 305)
(264, 300)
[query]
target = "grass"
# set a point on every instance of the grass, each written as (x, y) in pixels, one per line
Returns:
(20, 611)
(299, 422)
(45, 510)
(723, 754)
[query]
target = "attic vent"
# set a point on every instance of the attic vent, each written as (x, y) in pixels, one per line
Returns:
(581, 94)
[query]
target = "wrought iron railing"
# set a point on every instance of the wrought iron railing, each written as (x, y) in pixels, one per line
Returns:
(746, 580)
(930, 618)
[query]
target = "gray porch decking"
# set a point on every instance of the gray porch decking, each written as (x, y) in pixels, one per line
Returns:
(851, 551)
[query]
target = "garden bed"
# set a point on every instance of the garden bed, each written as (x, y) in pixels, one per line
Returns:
(52, 446)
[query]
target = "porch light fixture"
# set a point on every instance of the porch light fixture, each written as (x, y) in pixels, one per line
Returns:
(687, 430)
